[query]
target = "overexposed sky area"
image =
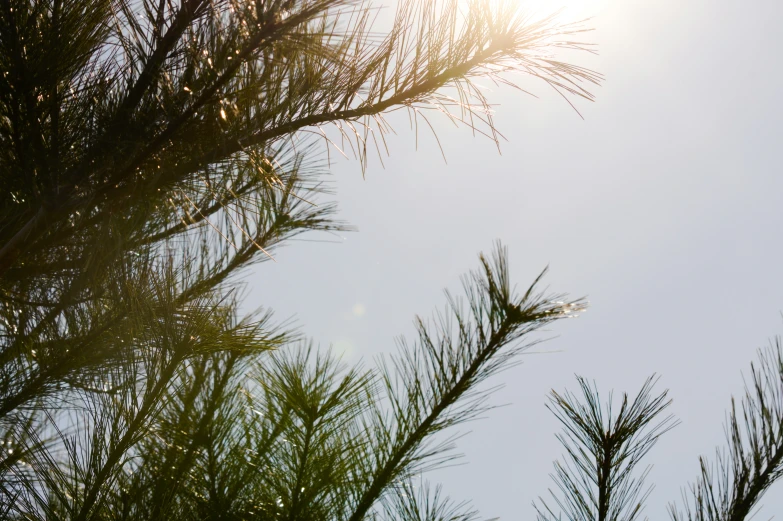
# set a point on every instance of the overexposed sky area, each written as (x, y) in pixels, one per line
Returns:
(663, 206)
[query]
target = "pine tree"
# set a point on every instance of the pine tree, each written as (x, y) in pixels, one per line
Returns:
(154, 149)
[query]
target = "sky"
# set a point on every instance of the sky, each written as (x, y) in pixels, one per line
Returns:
(663, 207)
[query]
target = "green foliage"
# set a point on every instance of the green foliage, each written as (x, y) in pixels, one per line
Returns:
(154, 149)
(730, 488)
(602, 449)
(151, 150)
(287, 434)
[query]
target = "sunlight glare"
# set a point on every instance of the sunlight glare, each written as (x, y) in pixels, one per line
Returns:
(570, 9)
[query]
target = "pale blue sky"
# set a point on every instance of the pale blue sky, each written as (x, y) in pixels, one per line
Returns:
(663, 207)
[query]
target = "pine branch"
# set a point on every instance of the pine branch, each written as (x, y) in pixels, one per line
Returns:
(729, 489)
(450, 369)
(492, 43)
(411, 503)
(186, 459)
(597, 480)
